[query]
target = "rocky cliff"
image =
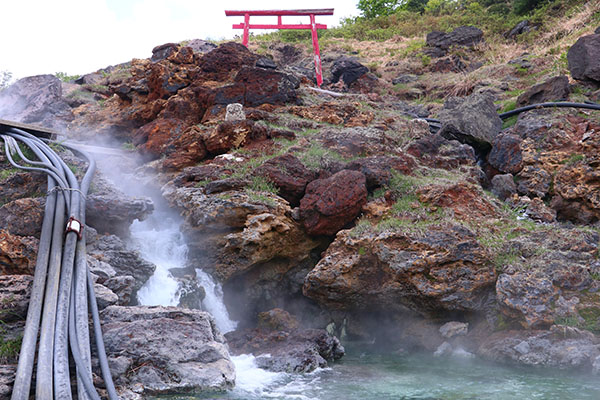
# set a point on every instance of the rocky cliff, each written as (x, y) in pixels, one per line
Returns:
(345, 212)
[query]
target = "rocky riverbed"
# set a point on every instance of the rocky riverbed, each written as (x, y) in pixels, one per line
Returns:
(323, 218)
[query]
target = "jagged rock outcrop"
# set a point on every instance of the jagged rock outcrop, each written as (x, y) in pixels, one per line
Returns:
(447, 270)
(289, 175)
(163, 350)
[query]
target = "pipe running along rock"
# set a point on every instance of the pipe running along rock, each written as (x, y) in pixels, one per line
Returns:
(62, 291)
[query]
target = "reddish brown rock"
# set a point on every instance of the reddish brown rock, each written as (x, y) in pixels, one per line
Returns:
(465, 199)
(17, 254)
(233, 134)
(23, 217)
(289, 175)
(189, 104)
(189, 149)
(506, 154)
(330, 204)
(153, 137)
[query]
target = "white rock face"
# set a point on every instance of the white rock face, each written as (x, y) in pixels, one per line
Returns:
(235, 112)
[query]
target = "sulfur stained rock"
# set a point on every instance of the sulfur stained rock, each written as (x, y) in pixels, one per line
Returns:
(262, 86)
(265, 237)
(446, 270)
(232, 134)
(190, 149)
(329, 204)
(348, 115)
(533, 181)
(18, 254)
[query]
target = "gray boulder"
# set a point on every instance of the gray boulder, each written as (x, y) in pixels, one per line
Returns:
(166, 350)
(201, 46)
(36, 100)
(472, 120)
(584, 58)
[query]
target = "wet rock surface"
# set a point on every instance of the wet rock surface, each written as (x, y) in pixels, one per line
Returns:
(166, 350)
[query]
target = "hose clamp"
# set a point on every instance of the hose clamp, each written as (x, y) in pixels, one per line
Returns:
(74, 225)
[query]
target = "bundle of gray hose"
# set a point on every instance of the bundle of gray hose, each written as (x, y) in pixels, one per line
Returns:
(62, 295)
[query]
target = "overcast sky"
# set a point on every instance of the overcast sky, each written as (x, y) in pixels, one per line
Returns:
(81, 36)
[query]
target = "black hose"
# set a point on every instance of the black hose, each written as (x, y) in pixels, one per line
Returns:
(435, 124)
(516, 111)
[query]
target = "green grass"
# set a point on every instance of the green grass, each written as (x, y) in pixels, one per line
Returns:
(7, 173)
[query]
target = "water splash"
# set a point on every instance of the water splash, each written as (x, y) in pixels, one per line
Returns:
(213, 302)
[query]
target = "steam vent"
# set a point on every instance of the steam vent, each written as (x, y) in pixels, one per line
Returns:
(401, 204)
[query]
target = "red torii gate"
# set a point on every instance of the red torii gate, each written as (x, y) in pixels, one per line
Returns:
(313, 26)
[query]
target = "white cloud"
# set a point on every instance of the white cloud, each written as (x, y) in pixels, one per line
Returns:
(80, 36)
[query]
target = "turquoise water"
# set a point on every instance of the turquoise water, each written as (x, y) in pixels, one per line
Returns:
(364, 374)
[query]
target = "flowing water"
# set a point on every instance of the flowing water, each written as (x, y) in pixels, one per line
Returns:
(363, 373)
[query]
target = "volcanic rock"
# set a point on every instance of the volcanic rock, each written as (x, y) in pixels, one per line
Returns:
(17, 254)
(347, 69)
(584, 58)
(23, 217)
(154, 136)
(289, 175)
(378, 169)
(36, 100)
(506, 153)
(446, 270)
(466, 36)
(266, 86)
(554, 89)
(563, 347)
(472, 120)
(287, 350)
(330, 204)
(520, 28)
(503, 186)
(438, 152)
(167, 349)
(15, 291)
